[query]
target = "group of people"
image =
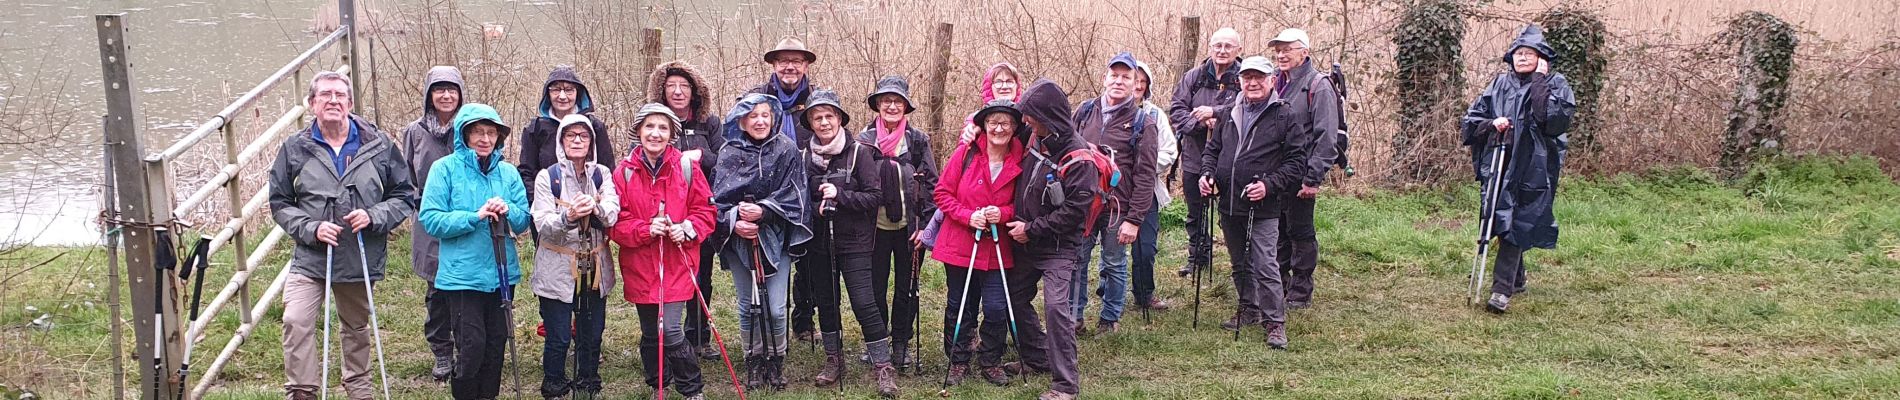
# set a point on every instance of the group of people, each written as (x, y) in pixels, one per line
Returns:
(805, 214)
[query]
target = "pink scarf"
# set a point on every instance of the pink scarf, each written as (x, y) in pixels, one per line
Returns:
(890, 141)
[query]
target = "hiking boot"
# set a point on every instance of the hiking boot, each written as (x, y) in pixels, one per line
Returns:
(955, 376)
(754, 372)
(1053, 394)
(444, 366)
(996, 376)
(831, 371)
(1107, 327)
(707, 351)
(1185, 271)
(900, 357)
(1019, 369)
(1499, 302)
(301, 393)
(1081, 329)
(886, 377)
(775, 372)
(1276, 335)
(1156, 304)
(1234, 324)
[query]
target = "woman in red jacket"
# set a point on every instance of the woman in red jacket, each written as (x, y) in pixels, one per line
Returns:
(975, 195)
(664, 215)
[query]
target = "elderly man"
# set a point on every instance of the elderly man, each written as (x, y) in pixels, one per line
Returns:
(1253, 161)
(790, 84)
(1115, 123)
(338, 189)
(1204, 92)
(1313, 103)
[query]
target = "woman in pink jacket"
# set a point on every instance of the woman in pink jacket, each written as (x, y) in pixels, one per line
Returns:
(974, 194)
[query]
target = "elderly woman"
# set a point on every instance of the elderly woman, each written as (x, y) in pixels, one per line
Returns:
(976, 196)
(762, 215)
(846, 189)
(909, 173)
(1523, 113)
(573, 206)
(659, 245)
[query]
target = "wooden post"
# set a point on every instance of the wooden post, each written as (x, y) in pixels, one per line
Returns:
(939, 72)
(1190, 43)
(153, 311)
(346, 15)
(651, 46)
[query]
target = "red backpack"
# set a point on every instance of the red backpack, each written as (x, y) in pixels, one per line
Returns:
(1108, 177)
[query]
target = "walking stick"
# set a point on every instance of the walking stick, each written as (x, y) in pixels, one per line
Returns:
(1008, 303)
(963, 300)
(1488, 207)
(369, 292)
(498, 231)
(199, 260)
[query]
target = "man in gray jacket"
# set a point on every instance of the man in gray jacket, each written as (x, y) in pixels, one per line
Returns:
(425, 141)
(339, 176)
(1313, 105)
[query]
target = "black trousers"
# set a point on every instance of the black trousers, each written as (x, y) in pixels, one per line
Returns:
(435, 324)
(994, 326)
(858, 282)
(807, 278)
(1299, 250)
(696, 331)
(1507, 278)
(892, 253)
(1200, 242)
(480, 326)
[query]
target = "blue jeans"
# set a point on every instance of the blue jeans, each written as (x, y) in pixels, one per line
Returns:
(558, 316)
(1144, 252)
(774, 318)
(1114, 287)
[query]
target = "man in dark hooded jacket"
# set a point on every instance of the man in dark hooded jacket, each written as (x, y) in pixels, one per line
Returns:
(1524, 113)
(1051, 208)
(1254, 163)
(682, 89)
(1204, 92)
(563, 94)
(425, 141)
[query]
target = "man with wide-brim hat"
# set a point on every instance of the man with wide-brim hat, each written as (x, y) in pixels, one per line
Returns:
(790, 84)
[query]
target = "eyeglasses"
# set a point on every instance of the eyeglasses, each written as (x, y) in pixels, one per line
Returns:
(1224, 46)
(1286, 50)
(332, 96)
(577, 137)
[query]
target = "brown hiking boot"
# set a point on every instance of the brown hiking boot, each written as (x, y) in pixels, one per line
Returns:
(1276, 335)
(1104, 327)
(996, 376)
(886, 377)
(955, 376)
(831, 371)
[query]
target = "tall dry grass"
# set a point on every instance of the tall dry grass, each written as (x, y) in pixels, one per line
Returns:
(1664, 102)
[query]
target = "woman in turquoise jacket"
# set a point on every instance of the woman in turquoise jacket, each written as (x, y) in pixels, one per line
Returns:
(467, 192)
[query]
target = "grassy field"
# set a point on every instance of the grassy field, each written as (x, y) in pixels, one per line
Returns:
(1665, 285)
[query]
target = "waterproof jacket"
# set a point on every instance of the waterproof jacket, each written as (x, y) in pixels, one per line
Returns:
(792, 102)
(699, 127)
(1540, 108)
(425, 141)
(768, 172)
(967, 187)
(1112, 128)
(1314, 106)
(307, 189)
(1201, 87)
(562, 242)
(1053, 206)
(642, 189)
(541, 138)
(857, 175)
(908, 177)
(458, 187)
(1272, 149)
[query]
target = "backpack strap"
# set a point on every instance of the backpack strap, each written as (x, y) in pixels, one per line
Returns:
(554, 180)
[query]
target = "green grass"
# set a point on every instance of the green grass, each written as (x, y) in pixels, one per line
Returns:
(1668, 284)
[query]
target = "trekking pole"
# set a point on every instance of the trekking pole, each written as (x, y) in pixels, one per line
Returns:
(963, 300)
(199, 260)
(369, 292)
(1207, 223)
(498, 231)
(758, 328)
(707, 311)
(1239, 320)
(329, 303)
(916, 304)
(1008, 304)
(1488, 198)
(660, 391)
(837, 276)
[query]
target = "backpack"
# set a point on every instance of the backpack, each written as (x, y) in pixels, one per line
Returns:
(1109, 176)
(1140, 124)
(554, 180)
